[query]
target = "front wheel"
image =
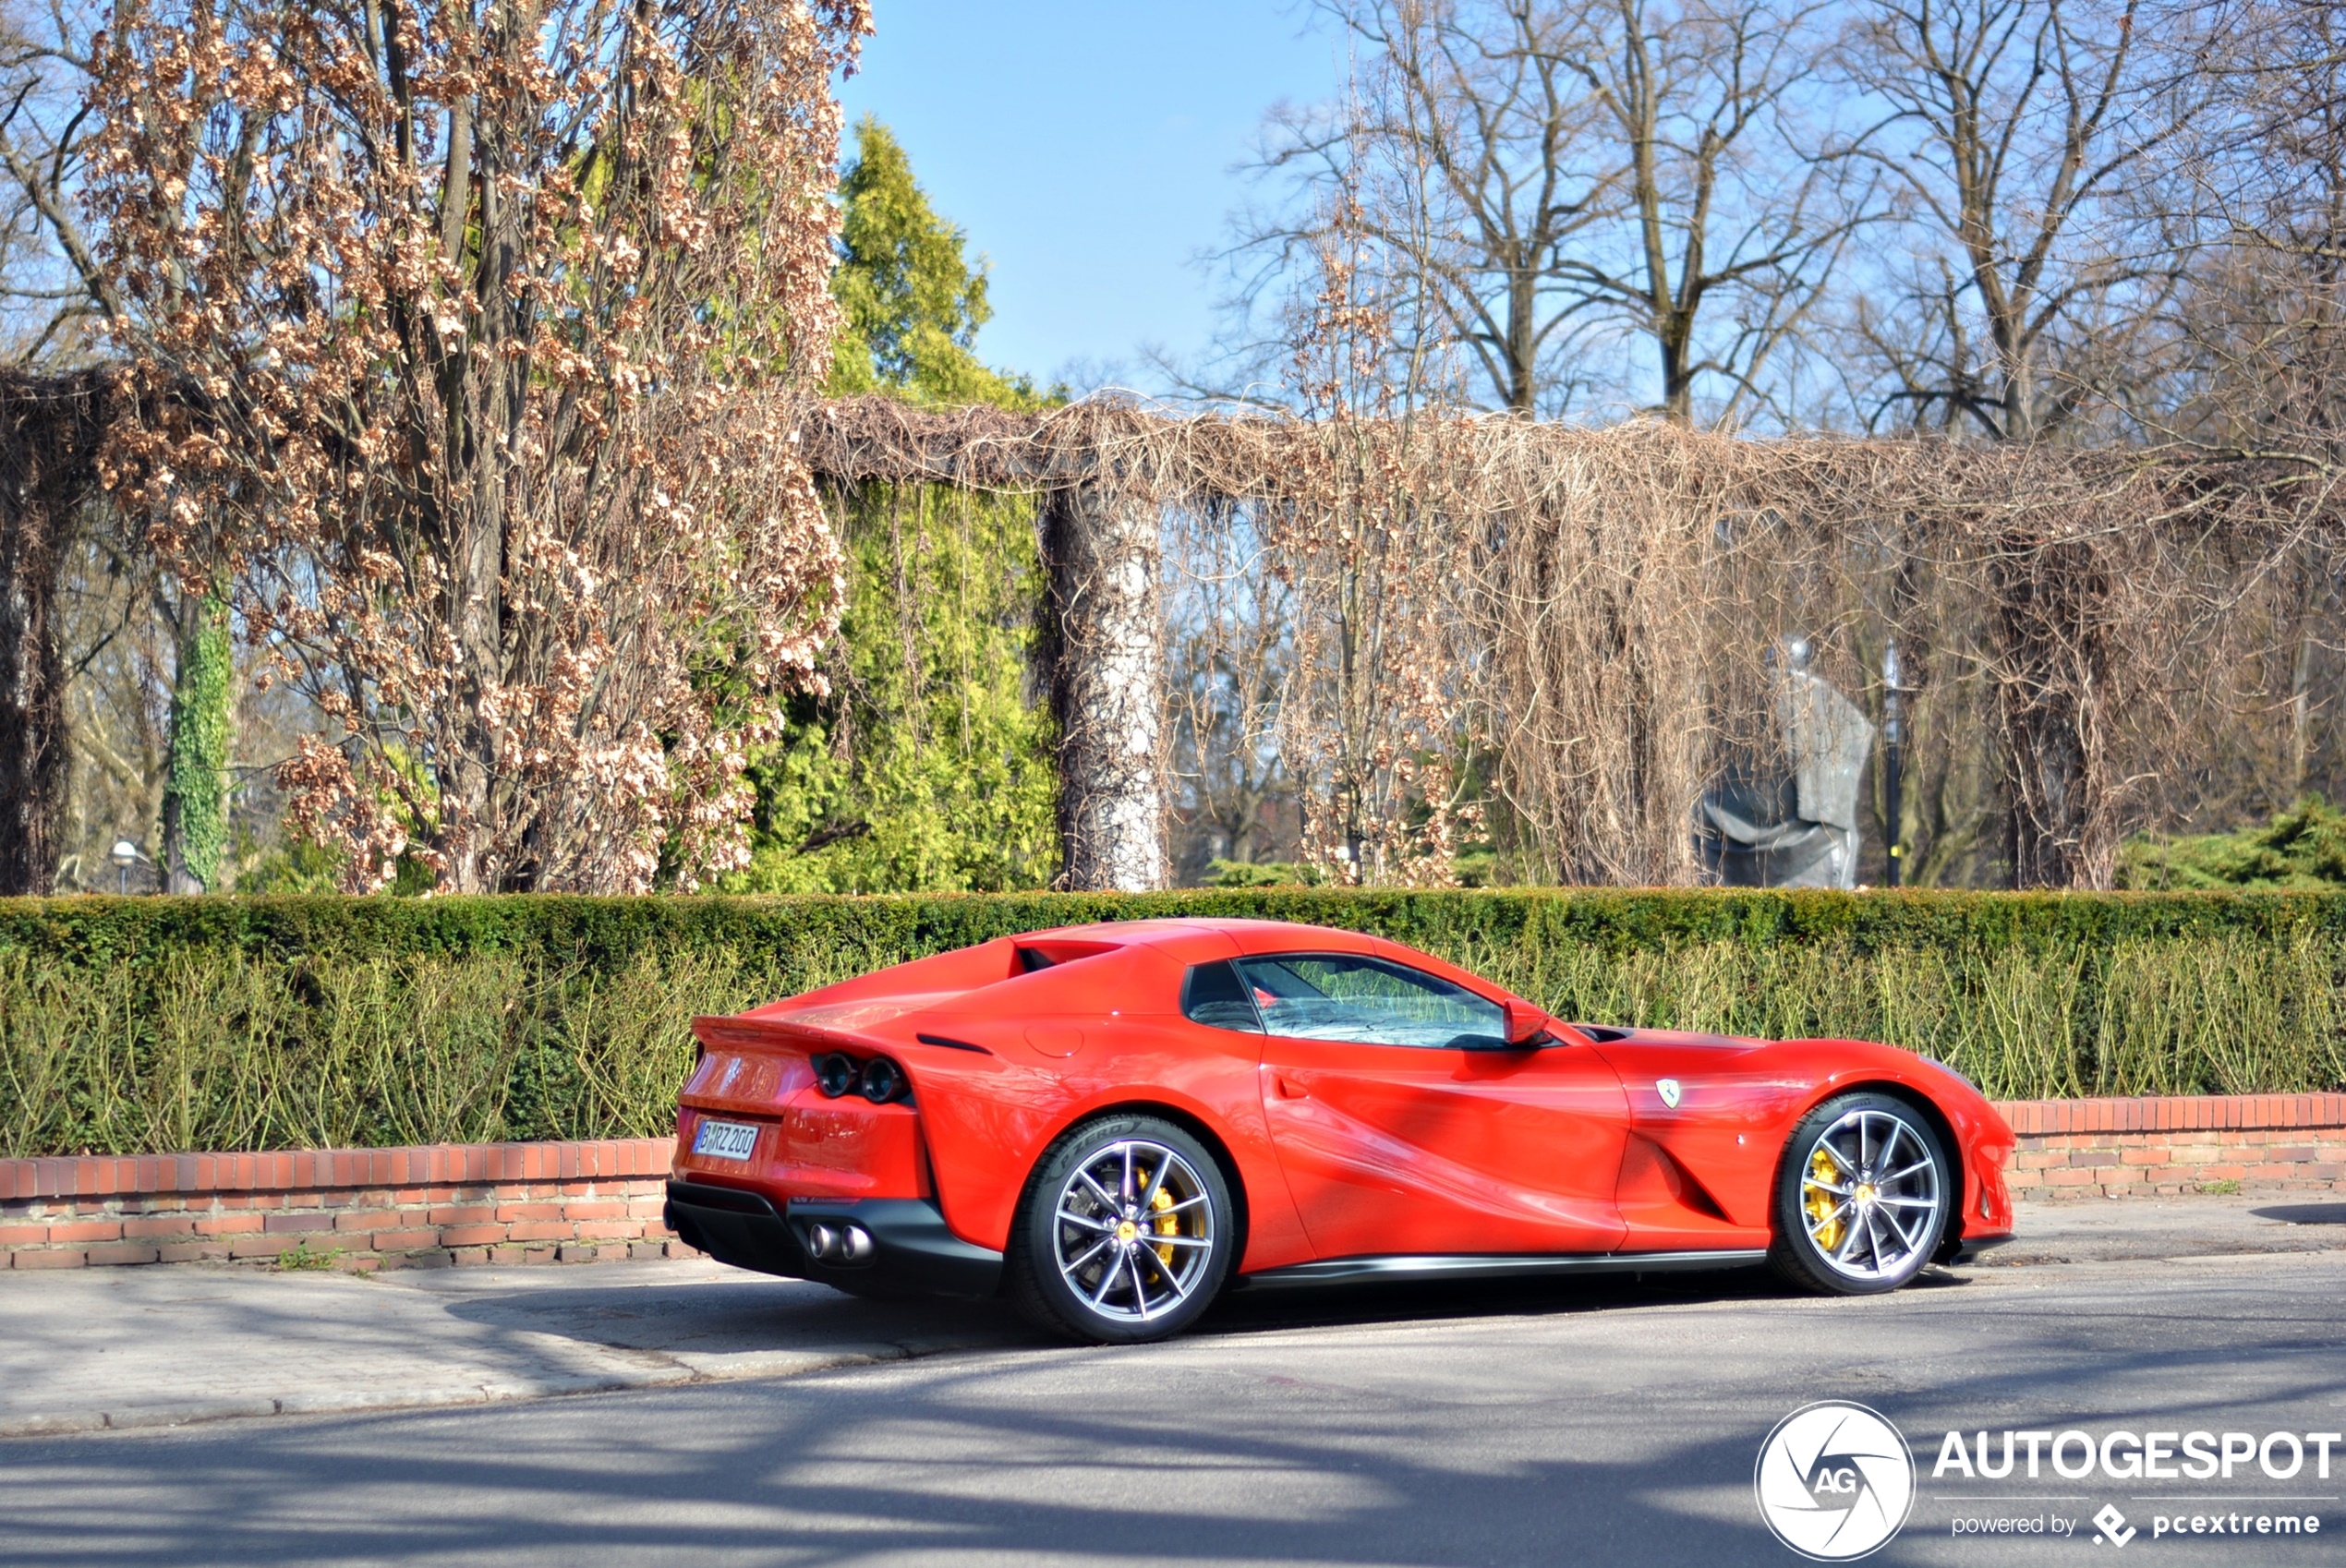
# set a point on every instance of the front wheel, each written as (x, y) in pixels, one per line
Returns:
(1863, 1198)
(1125, 1233)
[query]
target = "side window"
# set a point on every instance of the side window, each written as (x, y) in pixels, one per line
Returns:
(1368, 1001)
(1213, 996)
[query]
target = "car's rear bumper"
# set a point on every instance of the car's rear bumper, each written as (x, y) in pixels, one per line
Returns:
(911, 1250)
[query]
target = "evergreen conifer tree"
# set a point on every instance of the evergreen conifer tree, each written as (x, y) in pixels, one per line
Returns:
(928, 765)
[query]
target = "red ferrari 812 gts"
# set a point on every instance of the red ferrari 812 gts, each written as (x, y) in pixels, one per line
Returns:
(1113, 1124)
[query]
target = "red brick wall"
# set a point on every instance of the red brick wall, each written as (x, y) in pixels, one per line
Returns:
(570, 1202)
(2167, 1146)
(368, 1208)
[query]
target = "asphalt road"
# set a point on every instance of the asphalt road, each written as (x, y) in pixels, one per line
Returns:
(1597, 1422)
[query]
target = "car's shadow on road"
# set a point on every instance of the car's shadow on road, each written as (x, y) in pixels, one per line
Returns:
(1255, 1311)
(2304, 1213)
(753, 1314)
(746, 1314)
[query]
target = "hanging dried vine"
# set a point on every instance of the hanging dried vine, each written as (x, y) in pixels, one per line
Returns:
(1600, 605)
(2134, 630)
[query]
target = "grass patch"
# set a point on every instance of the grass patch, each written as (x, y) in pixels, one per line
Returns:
(301, 1258)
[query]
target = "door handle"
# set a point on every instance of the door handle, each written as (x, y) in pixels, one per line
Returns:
(1287, 1088)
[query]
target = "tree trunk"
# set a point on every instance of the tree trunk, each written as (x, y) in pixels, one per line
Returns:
(1523, 333)
(2020, 396)
(33, 707)
(48, 434)
(1108, 689)
(2052, 659)
(484, 406)
(1677, 385)
(473, 864)
(2301, 677)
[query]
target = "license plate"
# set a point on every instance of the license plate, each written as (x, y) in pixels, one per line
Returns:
(725, 1140)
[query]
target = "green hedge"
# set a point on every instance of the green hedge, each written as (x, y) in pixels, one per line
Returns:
(139, 1025)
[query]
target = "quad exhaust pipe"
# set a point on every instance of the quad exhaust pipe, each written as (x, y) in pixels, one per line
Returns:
(847, 1245)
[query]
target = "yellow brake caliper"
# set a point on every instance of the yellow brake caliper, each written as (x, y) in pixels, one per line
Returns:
(1167, 1225)
(1820, 1204)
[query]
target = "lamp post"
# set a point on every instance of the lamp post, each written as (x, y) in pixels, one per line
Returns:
(1893, 736)
(126, 855)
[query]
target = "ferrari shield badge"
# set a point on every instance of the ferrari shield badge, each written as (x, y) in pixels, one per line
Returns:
(1670, 1092)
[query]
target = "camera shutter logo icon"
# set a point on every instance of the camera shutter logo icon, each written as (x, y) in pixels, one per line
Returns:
(1835, 1481)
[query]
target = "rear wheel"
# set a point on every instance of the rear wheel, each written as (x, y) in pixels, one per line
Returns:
(1124, 1235)
(1863, 1198)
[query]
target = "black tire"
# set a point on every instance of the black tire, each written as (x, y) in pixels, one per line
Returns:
(1864, 1215)
(1131, 1268)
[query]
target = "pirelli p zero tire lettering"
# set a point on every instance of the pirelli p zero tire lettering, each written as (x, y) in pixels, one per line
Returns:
(1862, 1196)
(1125, 1233)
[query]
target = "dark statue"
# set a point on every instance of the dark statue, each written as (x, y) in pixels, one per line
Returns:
(1791, 820)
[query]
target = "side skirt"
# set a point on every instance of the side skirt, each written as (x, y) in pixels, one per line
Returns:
(1489, 1265)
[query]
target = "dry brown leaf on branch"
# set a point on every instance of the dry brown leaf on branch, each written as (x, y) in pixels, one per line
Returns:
(463, 351)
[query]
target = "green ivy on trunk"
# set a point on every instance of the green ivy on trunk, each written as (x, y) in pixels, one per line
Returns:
(194, 795)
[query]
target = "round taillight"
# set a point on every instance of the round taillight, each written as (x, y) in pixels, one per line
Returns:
(835, 1073)
(883, 1081)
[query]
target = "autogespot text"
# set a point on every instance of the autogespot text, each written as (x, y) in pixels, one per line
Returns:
(2144, 1458)
(2129, 1456)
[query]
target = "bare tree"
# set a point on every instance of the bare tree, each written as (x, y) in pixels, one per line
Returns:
(57, 301)
(1717, 206)
(1580, 184)
(2017, 136)
(44, 300)
(1229, 641)
(2258, 331)
(51, 287)
(1465, 145)
(2012, 131)
(2263, 317)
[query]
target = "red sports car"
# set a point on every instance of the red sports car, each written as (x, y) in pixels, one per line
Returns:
(1112, 1124)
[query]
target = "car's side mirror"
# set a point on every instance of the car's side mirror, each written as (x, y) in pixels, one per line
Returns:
(1525, 1023)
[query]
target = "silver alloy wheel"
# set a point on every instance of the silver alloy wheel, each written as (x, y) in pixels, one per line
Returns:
(1135, 1229)
(1870, 1195)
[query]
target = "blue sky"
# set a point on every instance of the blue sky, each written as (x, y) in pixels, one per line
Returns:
(1087, 149)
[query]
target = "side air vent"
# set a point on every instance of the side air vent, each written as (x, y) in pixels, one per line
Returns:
(1033, 956)
(951, 1044)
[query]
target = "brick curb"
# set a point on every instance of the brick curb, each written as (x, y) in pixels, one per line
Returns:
(2173, 1146)
(437, 1164)
(426, 1206)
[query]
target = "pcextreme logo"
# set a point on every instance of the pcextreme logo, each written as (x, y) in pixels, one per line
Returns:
(1835, 1481)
